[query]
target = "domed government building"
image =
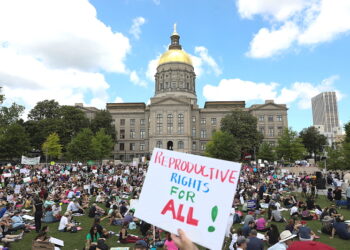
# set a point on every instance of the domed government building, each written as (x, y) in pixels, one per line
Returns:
(173, 120)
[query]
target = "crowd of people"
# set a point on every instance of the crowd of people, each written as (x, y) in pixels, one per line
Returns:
(32, 195)
(262, 196)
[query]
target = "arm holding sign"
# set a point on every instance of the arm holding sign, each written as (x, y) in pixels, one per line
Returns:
(182, 241)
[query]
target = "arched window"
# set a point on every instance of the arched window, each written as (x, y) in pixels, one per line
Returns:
(159, 144)
(180, 145)
(170, 124)
(180, 124)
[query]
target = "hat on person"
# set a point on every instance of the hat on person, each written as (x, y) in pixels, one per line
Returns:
(286, 235)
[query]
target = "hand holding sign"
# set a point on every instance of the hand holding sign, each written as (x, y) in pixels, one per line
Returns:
(190, 192)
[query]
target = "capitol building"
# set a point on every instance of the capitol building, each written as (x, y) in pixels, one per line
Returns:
(173, 119)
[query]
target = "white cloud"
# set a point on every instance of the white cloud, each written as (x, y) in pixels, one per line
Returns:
(201, 60)
(135, 29)
(135, 79)
(295, 22)
(267, 43)
(299, 92)
(207, 59)
(156, 2)
(118, 99)
(56, 50)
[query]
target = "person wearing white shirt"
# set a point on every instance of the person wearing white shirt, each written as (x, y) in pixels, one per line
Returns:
(294, 210)
(75, 207)
(65, 224)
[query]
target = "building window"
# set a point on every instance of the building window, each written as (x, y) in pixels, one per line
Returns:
(262, 130)
(121, 146)
(122, 134)
(142, 134)
(280, 131)
(122, 122)
(142, 122)
(194, 145)
(132, 122)
(180, 124)
(142, 147)
(203, 133)
(203, 121)
(193, 132)
(193, 119)
(270, 118)
(271, 131)
(180, 145)
(132, 146)
(132, 133)
(203, 146)
(213, 121)
(159, 144)
(170, 123)
(159, 128)
(279, 118)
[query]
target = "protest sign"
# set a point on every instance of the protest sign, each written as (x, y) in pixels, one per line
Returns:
(7, 175)
(190, 192)
(30, 161)
(27, 179)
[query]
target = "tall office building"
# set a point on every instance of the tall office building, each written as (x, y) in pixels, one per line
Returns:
(325, 115)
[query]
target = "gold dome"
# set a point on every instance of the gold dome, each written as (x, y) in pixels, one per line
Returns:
(175, 55)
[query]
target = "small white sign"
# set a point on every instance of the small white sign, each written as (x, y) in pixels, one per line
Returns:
(196, 195)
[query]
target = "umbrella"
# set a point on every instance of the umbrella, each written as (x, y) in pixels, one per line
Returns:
(309, 245)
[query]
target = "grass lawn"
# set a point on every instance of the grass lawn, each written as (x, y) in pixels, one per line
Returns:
(74, 241)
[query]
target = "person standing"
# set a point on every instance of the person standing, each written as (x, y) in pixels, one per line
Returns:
(348, 197)
(38, 213)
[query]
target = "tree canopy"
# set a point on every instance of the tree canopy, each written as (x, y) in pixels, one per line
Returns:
(290, 146)
(103, 119)
(10, 115)
(14, 142)
(223, 146)
(52, 146)
(44, 109)
(243, 126)
(102, 144)
(80, 148)
(313, 141)
(266, 152)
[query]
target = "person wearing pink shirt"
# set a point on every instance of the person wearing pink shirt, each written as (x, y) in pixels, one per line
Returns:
(169, 244)
(261, 224)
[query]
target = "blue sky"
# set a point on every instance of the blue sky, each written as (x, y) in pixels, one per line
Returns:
(102, 51)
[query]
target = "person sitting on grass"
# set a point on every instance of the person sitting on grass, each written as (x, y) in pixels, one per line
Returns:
(304, 232)
(75, 207)
(65, 224)
(92, 237)
(261, 224)
(43, 234)
(276, 215)
(17, 221)
(272, 235)
(254, 243)
(341, 229)
(247, 228)
(305, 214)
(95, 211)
(126, 238)
(169, 244)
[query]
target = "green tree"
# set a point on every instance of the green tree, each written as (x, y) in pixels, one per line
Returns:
(72, 120)
(103, 119)
(242, 125)
(290, 146)
(10, 115)
(80, 148)
(52, 147)
(313, 140)
(102, 144)
(347, 132)
(2, 97)
(223, 146)
(335, 158)
(14, 142)
(346, 152)
(266, 152)
(44, 109)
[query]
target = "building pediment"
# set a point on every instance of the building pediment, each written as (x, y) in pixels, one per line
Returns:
(269, 106)
(168, 101)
